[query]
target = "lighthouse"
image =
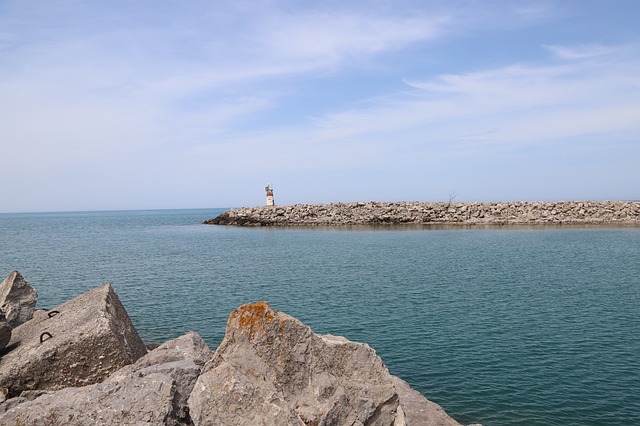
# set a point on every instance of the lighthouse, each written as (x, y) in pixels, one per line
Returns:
(269, 190)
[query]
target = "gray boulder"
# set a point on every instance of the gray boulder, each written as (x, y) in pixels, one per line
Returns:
(182, 359)
(145, 401)
(17, 299)
(80, 342)
(5, 332)
(152, 391)
(270, 369)
(418, 410)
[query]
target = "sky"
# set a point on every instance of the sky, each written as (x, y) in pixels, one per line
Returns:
(154, 104)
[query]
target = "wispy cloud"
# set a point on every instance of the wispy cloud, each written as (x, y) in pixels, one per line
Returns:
(126, 68)
(328, 38)
(460, 119)
(147, 88)
(532, 98)
(509, 106)
(582, 52)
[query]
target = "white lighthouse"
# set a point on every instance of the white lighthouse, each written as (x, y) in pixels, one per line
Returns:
(269, 189)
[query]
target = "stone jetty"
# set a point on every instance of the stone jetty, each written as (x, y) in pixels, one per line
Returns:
(83, 363)
(435, 213)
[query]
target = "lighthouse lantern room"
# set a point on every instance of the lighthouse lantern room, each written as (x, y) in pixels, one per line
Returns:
(269, 190)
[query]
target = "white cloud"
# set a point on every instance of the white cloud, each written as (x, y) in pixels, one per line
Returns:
(161, 66)
(462, 119)
(524, 103)
(490, 109)
(329, 38)
(582, 52)
(151, 88)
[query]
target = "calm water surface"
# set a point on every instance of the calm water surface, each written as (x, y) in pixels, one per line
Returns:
(499, 326)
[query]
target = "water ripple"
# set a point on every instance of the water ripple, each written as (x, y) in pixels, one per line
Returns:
(502, 327)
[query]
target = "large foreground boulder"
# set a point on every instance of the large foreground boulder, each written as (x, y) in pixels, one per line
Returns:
(78, 343)
(270, 369)
(152, 391)
(17, 299)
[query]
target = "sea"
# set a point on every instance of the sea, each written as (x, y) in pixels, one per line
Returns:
(500, 326)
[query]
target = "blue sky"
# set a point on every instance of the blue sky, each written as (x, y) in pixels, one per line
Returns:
(180, 104)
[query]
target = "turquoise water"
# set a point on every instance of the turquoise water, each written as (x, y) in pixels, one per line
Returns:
(499, 326)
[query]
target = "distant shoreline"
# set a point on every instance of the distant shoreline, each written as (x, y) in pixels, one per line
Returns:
(437, 214)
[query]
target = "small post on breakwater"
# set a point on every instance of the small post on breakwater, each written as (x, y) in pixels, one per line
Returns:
(269, 190)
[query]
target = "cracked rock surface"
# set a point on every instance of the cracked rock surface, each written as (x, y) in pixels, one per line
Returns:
(271, 369)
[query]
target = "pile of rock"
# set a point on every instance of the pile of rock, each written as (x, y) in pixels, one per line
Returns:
(83, 363)
(425, 213)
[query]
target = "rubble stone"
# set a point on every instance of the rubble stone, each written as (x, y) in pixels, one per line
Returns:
(435, 214)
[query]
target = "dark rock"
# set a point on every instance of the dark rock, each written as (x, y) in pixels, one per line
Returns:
(5, 331)
(151, 346)
(78, 343)
(17, 299)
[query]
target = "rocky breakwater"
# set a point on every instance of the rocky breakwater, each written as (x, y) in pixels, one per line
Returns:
(428, 213)
(83, 363)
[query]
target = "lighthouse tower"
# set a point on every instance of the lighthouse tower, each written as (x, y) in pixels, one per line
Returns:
(269, 189)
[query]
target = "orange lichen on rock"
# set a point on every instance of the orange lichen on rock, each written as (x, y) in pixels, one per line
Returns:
(252, 318)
